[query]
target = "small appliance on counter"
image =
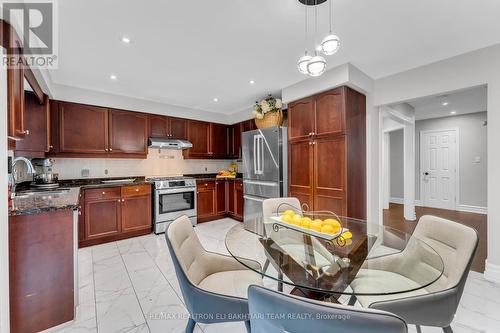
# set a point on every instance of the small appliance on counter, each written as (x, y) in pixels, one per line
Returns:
(44, 178)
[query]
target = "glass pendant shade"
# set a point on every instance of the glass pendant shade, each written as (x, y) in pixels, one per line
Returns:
(316, 66)
(302, 63)
(330, 44)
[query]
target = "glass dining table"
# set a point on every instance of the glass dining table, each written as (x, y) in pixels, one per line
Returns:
(364, 265)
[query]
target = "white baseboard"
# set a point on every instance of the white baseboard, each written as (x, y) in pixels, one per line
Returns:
(461, 208)
(492, 272)
(472, 209)
(396, 200)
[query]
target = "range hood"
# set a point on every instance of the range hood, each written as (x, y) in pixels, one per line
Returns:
(168, 143)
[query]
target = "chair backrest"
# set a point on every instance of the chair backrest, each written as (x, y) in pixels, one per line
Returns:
(271, 206)
(187, 251)
(454, 242)
(274, 312)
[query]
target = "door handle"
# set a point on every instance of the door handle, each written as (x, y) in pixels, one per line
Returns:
(426, 173)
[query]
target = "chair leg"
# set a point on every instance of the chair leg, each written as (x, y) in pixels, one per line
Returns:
(190, 326)
(280, 284)
(266, 265)
(247, 326)
(352, 300)
(419, 329)
(447, 329)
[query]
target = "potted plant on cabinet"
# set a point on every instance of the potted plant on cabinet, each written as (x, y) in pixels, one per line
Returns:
(268, 113)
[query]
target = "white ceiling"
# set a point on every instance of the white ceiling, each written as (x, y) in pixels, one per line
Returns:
(188, 52)
(461, 102)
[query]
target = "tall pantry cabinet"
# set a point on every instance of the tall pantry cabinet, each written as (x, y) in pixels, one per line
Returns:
(327, 152)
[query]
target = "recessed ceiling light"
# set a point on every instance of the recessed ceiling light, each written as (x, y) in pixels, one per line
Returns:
(453, 112)
(445, 103)
(126, 40)
(215, 99)
(113, 77)
(252, 82)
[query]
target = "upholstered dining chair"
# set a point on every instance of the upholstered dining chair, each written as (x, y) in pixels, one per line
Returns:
(275, 312)
(214, 286)
(436, 304)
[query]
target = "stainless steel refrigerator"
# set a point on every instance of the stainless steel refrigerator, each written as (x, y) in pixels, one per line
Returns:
(264, 171)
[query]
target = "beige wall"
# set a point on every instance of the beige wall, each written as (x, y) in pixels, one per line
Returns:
(158, 163)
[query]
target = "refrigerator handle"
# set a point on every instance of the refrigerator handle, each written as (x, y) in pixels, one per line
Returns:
(261, 152)
(253, 198)
(255, 154)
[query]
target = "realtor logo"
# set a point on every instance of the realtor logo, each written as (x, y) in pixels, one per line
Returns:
(35, 25)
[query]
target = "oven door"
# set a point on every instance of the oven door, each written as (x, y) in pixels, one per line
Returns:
(172, 203)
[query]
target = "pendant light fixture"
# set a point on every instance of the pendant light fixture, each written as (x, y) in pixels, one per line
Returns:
(304, 60)
(317, 65)
(331, 43)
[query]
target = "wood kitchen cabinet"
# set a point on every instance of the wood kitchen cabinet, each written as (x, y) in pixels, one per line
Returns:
(219, 198)
(113, 213)
(327, 152)
(41, 270)
(199, 135)
(15, 83)
(128, 132)
(210, 140)
(36, 141)
(163, 127)
(221, 188)
(206, 200)
(80, 130)
(238, 200)
(235, 141)
(219, 140)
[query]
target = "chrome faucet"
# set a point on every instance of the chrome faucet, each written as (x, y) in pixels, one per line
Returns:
(31, 171)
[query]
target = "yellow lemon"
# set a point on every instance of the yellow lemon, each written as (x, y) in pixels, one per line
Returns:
(316, 225)
(305, 222)
(319, 220)
(332, 223)
(286, 218)
(347, 235)
(289, 212)
(328, 229)
(296, 219)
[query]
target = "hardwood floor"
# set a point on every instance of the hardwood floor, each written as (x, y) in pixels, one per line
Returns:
(393, 217)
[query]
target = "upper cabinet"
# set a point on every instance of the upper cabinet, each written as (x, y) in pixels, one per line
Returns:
(15, 83)
(128, 132)
(301, 119)
(163, 127)
(209, 140)
(79, 129)
(36, 140)
(82, 129)
(235, 132)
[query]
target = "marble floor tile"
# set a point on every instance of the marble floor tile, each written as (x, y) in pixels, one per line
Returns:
(119, 312)
(131, 286)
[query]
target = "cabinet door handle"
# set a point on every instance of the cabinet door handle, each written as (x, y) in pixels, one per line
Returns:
(123, 200)
(137, 190)
(110, 149)
(103, 193)
(119, 200)
(106, 149)
(27, 132)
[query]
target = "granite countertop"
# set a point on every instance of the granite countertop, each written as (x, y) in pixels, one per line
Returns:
(45, 202)
(66, 196)
(212, 176)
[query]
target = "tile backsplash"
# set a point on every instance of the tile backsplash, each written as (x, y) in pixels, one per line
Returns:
(158, 163)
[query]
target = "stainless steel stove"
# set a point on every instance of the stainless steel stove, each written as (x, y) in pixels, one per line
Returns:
(173, 197)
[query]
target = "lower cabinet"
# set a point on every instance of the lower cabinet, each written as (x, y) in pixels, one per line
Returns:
(219, 198)
(206, 201)
(112, 213)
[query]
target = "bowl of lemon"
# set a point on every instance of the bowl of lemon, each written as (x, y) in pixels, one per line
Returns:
(328, 228)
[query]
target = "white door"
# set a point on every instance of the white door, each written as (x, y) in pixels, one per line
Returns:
(438, 168)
